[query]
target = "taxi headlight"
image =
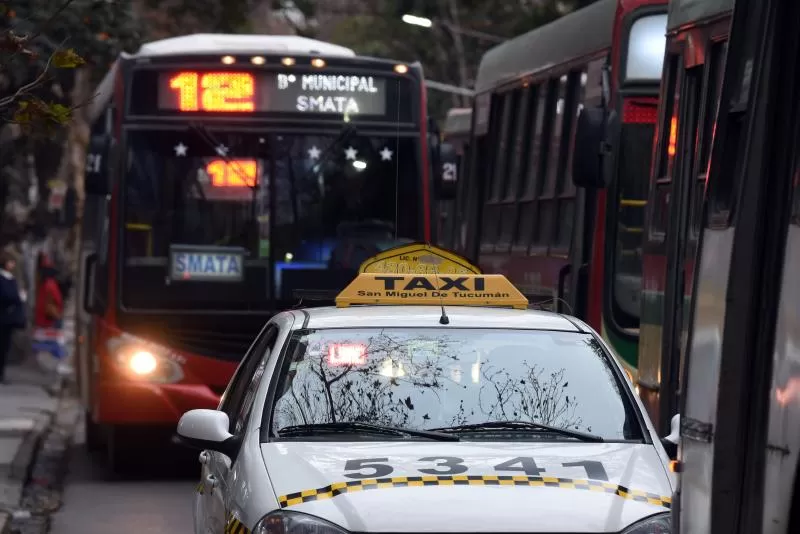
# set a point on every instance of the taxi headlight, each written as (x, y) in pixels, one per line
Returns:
(655, 524)
(139, 360)
(281, 522)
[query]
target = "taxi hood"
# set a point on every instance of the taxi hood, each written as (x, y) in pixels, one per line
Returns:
(472, 487)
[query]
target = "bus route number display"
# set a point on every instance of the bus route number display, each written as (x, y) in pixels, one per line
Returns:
(248, 92)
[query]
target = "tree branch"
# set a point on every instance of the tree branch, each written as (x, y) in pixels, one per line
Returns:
(7, 101)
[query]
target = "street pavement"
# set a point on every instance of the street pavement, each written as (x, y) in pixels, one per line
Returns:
(158, 500)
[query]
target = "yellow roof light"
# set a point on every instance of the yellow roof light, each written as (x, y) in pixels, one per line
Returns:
(288, 61)
(401, 69)
(418, 258)
(258, 60)
(228, 60)
(432, 290)
(317, 62)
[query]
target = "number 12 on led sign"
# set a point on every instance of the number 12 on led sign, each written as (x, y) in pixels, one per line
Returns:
(214, 91)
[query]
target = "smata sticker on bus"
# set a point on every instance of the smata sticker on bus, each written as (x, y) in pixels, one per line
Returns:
(206, 264)
(418, 258)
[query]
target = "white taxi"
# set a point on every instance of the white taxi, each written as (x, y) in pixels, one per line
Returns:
(458, 411)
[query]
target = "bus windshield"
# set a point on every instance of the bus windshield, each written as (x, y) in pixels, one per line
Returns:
(302, 210)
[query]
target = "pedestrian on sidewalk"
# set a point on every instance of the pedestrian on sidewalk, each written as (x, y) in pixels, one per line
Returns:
(12, 308)
(48, 334)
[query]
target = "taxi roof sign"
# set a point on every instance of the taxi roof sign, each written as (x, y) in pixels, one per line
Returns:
(493, 290)
(418, 258)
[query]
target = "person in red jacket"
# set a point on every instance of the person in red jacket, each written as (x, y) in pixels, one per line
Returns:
(49, 310)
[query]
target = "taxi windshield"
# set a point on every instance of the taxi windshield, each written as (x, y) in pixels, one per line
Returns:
(465, 381)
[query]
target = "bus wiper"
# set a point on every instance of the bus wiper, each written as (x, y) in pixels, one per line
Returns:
(520, 425)
(353, 426)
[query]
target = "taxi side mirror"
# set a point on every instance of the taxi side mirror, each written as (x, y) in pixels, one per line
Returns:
(670, 442)
(206, 429)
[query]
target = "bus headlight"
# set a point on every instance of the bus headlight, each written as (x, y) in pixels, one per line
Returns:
(143, 363)
(139, 360)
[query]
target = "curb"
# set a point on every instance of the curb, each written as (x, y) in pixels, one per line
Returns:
(20, 468)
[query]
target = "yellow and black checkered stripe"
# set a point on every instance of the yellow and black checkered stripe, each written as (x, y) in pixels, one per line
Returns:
(339, 488)
(234, 526)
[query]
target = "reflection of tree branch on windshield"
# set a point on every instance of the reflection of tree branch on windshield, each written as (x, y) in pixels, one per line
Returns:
(531, 397)
(362, 393)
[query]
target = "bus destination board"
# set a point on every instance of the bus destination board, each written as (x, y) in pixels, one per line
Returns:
(243, 92)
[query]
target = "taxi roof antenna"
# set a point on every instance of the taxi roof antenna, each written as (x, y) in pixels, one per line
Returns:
(444, 319)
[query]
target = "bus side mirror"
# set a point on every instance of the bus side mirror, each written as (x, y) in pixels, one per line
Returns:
(447, 177)
(100, 160)
(89, 273)
(592, 151)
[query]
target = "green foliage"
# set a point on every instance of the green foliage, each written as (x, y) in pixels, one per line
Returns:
(42, 42)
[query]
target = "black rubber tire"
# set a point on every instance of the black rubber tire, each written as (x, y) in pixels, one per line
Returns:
(92, 433)
(120, 452)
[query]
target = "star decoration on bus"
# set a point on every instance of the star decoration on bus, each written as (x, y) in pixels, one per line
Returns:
(386, 154)
(222, 150)
(350, 153)
(180, 149)
(313, 152)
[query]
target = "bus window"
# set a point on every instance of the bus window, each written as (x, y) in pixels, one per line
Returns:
(518, 163)
(545, 211)
(715, 64)
(494, 163)
(667, 147)
(532, 148)
(564, 187)
(507, 128)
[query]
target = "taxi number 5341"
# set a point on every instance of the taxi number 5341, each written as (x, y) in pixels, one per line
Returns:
(452, 465)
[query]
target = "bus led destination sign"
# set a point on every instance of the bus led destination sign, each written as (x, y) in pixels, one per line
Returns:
(245, 92)
(329, 93)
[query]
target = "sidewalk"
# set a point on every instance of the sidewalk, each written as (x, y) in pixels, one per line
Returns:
(28, 405)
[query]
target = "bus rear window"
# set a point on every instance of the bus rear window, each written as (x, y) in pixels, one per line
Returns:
(645, 51)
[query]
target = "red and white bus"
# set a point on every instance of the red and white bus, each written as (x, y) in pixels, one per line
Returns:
(542, 204)
(227, 175)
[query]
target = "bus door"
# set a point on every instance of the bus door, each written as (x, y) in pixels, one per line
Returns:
(693, 124)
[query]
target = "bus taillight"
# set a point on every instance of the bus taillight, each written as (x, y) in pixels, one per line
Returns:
(673, 136)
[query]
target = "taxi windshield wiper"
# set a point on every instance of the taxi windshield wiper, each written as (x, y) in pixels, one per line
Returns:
(520, 425)
(353, 426)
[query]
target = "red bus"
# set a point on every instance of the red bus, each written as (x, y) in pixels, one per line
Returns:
(543, 206)
(696, 48)
(228, 176)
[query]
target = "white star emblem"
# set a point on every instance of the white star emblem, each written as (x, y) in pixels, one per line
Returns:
(386, 154)
(350, 153)
(180, 149)
(222, 150)
(313, 152)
